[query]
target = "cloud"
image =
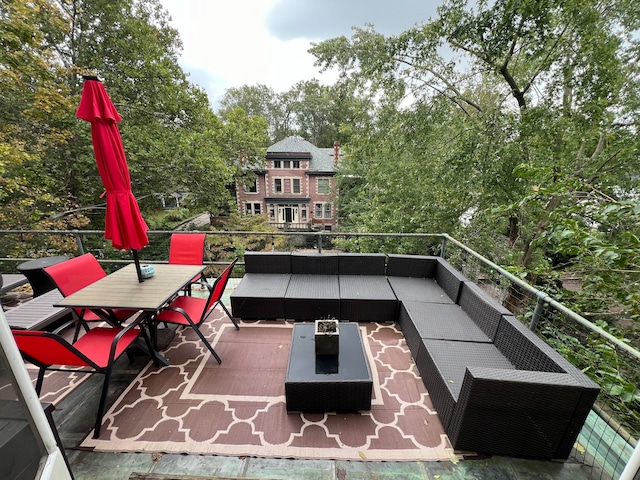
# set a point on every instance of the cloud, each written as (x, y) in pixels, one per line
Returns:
(248, 42)
(323, 19)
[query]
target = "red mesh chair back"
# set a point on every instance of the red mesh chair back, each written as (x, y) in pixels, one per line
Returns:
(186, 248)
(190, 311)
(74, 274)
(218, 287)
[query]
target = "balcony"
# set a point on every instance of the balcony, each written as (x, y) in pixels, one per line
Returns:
(605, 444)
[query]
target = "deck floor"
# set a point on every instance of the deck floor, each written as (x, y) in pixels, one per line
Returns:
(75, 416)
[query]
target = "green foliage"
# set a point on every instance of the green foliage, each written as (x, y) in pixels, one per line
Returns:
(172, 139)
(519, 142)
(615, 372)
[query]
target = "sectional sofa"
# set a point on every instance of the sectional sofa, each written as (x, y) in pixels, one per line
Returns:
(497, 387)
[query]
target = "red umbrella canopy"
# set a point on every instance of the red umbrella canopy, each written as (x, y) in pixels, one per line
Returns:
(124, 224)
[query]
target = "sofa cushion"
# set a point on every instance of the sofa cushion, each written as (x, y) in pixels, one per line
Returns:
(416, 266)
(314, 263)
(449, 279)
(366, 298)
(442, 321)
(267, 262)
(312, 297)
(524, 349)
(484, 310)
(442, 365)
(260, 296)
(362, 263)
(418, 289)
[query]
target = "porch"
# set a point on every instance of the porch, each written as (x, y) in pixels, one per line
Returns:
(597, 455)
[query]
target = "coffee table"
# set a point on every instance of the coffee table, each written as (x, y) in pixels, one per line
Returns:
(310, 384)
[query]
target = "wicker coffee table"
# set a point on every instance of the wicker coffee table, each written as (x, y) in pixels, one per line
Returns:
(327, 384)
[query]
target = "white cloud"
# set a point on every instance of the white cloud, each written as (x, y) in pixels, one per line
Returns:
(249, 42)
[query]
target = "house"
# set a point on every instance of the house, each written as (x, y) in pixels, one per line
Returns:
(296, 188)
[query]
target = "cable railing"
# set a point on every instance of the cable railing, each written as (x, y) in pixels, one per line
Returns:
(606, 442)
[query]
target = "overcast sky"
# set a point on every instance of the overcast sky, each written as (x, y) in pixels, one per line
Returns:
(248, 42)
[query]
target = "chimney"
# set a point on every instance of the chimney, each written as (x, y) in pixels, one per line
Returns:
(336, 153)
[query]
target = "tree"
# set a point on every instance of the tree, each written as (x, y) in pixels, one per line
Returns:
(170, 134)
(34, 112)
(546, 95)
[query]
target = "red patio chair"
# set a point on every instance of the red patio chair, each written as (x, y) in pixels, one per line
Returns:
(192, 311)
(187, 249)
(98, 349)
(73, 275)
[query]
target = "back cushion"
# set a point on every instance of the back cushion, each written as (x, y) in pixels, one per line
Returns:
(267, 262)
(314, 263)
(415, 266)
(361, 263)
(482, 309)
(524, 348)
(449, 279)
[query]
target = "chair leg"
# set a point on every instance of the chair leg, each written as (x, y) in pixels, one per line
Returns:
(229, 315)
(150, 347)
(103, 401)
(40, 379)
(207, 344)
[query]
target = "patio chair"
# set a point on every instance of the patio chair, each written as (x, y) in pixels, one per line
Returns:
(73, 275)
(98, 350)
(192, 311)
(188, 249)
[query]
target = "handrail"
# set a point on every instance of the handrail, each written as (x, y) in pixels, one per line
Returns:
(544, 297)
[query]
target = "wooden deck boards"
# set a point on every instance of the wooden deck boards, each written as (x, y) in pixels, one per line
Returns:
(11, 281)
(37, 313)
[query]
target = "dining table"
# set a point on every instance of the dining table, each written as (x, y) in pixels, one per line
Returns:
(122, 290)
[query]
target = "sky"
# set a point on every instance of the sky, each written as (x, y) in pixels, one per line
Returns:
(231, 43)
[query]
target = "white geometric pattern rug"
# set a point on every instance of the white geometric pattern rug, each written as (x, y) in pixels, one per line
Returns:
(238, 408)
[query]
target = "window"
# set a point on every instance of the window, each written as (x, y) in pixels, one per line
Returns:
(277, 164)
(303, 212)
(295, 185)
(277, 185)
(322, 210)
(323, 186)
(252, 188)
(295, 164)
(252, 208)
(287, 164)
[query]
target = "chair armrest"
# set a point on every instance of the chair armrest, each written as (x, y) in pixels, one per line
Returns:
(515, 412)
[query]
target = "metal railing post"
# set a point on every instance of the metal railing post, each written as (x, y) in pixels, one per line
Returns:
(443, 247)
(537, 312)
(76, 233)
(319, 242)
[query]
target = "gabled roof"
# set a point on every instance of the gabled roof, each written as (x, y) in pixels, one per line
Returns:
(320, 159)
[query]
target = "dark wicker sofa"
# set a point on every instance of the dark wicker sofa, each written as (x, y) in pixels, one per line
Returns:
(308, 286)
(497, 387)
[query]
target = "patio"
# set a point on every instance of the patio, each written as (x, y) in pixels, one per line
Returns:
(74, 423)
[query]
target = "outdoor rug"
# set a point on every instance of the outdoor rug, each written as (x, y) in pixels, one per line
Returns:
(57, 385)
(238, 408)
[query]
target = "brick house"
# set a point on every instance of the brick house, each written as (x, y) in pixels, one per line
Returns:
(296, 187)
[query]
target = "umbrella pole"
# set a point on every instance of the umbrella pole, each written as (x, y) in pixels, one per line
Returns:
(136, 260)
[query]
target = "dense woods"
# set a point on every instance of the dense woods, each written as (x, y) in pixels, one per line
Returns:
(511, 125)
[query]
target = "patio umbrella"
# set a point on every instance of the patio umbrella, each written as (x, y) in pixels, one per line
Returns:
(124, 224)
